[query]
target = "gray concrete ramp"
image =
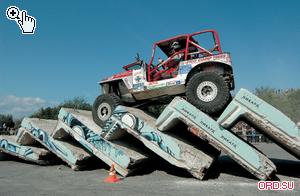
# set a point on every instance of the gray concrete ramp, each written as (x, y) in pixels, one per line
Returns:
(180, 153)
(264, 118)
(23, 137)
(70, 152)
(28, 153)
(80, 125)
(201, 125)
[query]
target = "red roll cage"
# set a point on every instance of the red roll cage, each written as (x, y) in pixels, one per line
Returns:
(188, 50)
(190, 47)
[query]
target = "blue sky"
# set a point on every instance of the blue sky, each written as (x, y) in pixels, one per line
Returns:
(76, 43)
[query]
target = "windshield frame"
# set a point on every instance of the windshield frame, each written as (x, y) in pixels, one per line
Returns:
(131, 65)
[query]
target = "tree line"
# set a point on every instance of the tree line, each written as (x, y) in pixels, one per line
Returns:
(46, 112)
(287, 101)
(52, 112)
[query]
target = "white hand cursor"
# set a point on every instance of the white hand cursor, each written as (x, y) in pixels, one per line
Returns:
(27, 23)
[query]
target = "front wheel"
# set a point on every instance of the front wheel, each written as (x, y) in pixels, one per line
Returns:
(208, 92)
(103, 108)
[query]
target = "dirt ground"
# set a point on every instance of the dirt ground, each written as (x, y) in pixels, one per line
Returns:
(225, 178)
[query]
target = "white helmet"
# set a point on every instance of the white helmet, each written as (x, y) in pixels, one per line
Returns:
(175, 45)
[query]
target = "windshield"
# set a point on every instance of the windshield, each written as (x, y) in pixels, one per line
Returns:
(159, 57)
(137, 66)
(204, 43)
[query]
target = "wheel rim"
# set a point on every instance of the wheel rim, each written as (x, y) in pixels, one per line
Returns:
(207, 91)
(104, 111)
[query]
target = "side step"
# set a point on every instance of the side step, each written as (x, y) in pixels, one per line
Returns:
(264, 118)
(209, 130)
(27, 153)
(80, 125)
(174, 150)
(41, 130)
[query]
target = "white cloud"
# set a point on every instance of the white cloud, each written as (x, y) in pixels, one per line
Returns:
(21, 106)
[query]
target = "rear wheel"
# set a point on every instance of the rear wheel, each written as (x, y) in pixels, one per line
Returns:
(208, 92)
(103, 108)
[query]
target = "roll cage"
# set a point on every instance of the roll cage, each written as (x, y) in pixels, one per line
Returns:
(190, 48)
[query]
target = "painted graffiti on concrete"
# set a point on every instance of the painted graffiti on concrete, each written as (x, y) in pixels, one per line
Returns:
(53, 145)
(110, 126)
(266, 119)
(94, 139)
(147, 132)
(207, 128)
(168, 146)
(7, 146)
(17, 149)
(44, 137)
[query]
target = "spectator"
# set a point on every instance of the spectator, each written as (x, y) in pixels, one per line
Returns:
(4, 127)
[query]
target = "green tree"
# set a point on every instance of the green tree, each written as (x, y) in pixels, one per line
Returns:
(18, 122)
(287, 101)
(77, 103)
(52, 112)
(7, 120)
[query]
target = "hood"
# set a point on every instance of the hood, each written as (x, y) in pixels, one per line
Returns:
(117, 76)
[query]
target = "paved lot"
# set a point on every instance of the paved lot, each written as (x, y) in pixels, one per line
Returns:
(227, 178)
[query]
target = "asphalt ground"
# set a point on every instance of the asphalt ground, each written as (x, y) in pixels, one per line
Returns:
(159, 178)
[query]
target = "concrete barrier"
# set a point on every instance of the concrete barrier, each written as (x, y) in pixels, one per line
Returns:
(112, 146)
(264, 118)
(80, 125)
(23, 137)
(176, 151)
(41, 130)
(28, 153)
(209, 130)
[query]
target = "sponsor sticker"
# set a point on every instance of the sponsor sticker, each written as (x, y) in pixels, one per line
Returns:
(173, 83)
(184, 69)
(138, 86)
(156, 86)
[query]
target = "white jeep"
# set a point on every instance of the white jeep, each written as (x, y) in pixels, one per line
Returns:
(179, 66)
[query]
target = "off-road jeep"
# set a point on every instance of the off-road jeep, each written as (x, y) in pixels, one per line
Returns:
(190, 65)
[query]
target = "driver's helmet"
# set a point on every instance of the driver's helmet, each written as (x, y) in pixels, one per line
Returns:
(175, 45)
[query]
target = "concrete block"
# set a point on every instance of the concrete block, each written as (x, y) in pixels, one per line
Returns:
(204, 127)
(174, 150)
(70, 152)
(24, 138)
(264, 118)
(80, 125)
(28, 153)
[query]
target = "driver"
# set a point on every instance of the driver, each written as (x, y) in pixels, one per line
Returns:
(169, 68)
(175, 48)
